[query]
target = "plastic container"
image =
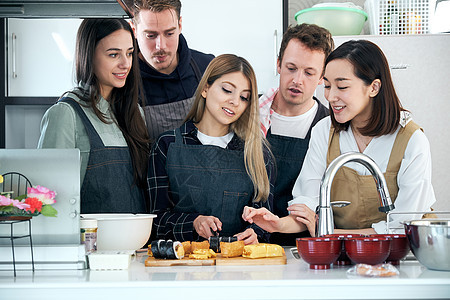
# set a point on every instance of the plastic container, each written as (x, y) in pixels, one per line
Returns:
(338, 18)
(110, 260)
(88, 232)
(400, 16)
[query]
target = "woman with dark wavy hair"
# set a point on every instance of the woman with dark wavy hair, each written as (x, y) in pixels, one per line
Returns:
(101, 117)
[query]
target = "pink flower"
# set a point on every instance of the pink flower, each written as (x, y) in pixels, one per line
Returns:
(5, 201)
(43, 194)
(20, 205)
(16, 203)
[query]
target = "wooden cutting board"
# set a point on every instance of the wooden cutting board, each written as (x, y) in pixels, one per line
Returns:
(242, 261)
(219, 261)
(153, 262)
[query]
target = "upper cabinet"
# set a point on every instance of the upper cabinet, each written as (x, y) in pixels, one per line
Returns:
(40, 51)
(40, 56)
(252, 29)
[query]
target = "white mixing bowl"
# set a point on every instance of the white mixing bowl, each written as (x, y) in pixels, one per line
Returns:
(122, 231)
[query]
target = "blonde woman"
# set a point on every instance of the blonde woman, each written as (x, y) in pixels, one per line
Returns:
(203, 174)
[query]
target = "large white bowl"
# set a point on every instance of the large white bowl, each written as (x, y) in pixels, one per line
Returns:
(338, 19)
(122, 231)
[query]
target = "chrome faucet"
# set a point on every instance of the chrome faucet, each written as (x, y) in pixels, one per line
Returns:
(325, 223)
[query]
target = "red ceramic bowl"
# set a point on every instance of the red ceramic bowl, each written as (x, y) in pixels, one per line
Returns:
(343, 259)
(319, 252)
(368, 250)
(399, 247)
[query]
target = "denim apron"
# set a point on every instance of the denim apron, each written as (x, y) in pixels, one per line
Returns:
(289, 153)
(108, 186)
(211, 181)
(163, 117)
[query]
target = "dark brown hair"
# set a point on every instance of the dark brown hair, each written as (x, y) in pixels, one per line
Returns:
(369, 63)
(312, 36)
(156, 6)
(124, 101)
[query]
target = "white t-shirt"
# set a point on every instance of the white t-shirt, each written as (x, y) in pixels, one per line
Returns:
(220, 141)
(414, 176)
(297, 126)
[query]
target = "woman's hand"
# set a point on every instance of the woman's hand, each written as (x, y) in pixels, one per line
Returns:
(261, 217)
(303, 214)
(248, 236)
(205, 225)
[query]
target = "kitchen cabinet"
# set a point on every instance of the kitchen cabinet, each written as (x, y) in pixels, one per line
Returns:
(40, 56)
(22, 125)
(252, 29)
(40, 51)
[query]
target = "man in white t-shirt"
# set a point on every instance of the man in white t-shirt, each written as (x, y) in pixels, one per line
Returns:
(290, 111)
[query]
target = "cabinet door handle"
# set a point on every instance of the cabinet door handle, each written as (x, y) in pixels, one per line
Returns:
(275, 49)
(14, 48)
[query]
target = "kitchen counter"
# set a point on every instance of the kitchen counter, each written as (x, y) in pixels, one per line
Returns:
(294, 280)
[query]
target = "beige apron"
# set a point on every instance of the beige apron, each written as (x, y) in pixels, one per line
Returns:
(361, 190)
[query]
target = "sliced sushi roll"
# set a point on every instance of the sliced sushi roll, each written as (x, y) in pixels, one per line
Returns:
(228, 239)
(163, 246)
(167, 249)
(224, 239)
(176, 251)
(214, 243)
(155, 247)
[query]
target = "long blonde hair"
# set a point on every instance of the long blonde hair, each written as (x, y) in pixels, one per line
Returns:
(247, 127)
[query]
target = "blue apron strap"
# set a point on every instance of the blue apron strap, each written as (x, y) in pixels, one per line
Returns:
(178, 137)
(94, 139)
(196, 69)
(321, 113)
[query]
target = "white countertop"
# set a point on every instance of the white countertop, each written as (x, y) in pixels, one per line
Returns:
(294, 280)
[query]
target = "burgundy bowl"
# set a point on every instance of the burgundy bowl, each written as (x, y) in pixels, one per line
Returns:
(343, 259)
(319, 252)
(399, 247)
(368, 250)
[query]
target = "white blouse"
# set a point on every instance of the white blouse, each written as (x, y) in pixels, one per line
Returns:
(220, 141)
(414, 177)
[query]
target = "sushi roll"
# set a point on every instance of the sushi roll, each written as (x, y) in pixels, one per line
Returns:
(228, 239)
(163, 246)
(214, 243)
(175, 250)
(155, 248)
(169, 249)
